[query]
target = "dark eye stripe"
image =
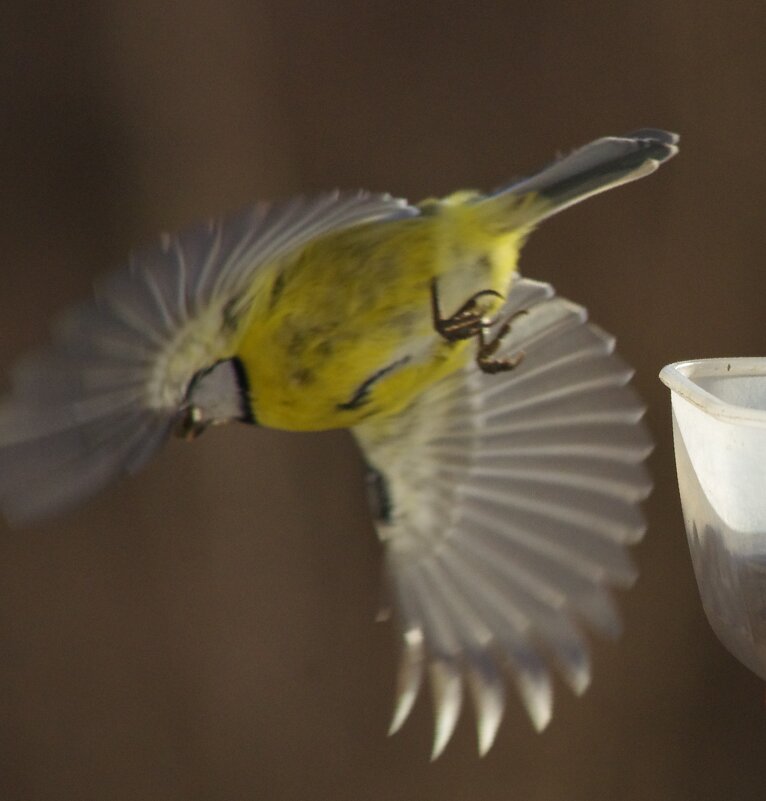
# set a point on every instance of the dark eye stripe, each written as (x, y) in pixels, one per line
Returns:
(243, 382)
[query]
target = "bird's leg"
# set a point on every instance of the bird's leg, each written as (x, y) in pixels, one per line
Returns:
(466, 323)
(488, 347)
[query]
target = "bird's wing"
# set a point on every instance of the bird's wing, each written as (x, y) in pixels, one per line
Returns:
(505, 503)
(104, 395)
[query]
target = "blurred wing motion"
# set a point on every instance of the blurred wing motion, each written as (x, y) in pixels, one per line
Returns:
(105, 395)
(505, 503)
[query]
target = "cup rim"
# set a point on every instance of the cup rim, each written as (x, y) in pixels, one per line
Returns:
(679, 378)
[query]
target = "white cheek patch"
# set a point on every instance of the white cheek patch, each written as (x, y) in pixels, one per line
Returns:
(220, 394)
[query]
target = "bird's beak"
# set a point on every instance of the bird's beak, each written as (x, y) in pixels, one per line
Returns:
(189, 423)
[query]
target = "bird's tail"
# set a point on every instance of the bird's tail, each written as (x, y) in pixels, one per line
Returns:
(600, 165)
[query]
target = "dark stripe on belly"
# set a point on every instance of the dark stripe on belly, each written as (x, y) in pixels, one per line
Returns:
(362, 393)
(276, 290)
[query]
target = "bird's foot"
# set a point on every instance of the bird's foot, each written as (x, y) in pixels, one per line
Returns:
(485, 355)
(466, 323)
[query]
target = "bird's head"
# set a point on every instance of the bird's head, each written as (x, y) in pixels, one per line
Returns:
(215, 395)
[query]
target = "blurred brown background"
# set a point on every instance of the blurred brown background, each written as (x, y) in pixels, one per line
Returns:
(205, 630)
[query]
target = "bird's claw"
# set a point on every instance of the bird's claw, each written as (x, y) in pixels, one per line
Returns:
(467, 322)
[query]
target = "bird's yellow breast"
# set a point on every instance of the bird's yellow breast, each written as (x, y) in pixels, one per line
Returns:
(343, 329)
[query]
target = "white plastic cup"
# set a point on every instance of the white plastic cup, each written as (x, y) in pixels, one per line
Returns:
(719, 431)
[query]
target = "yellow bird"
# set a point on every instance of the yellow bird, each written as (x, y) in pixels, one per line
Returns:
(505, 448)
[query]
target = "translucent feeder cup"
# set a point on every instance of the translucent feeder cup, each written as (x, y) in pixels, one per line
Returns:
(719, 431)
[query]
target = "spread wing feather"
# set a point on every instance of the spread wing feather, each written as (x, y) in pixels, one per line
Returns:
(100, 400)
(509, 500)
